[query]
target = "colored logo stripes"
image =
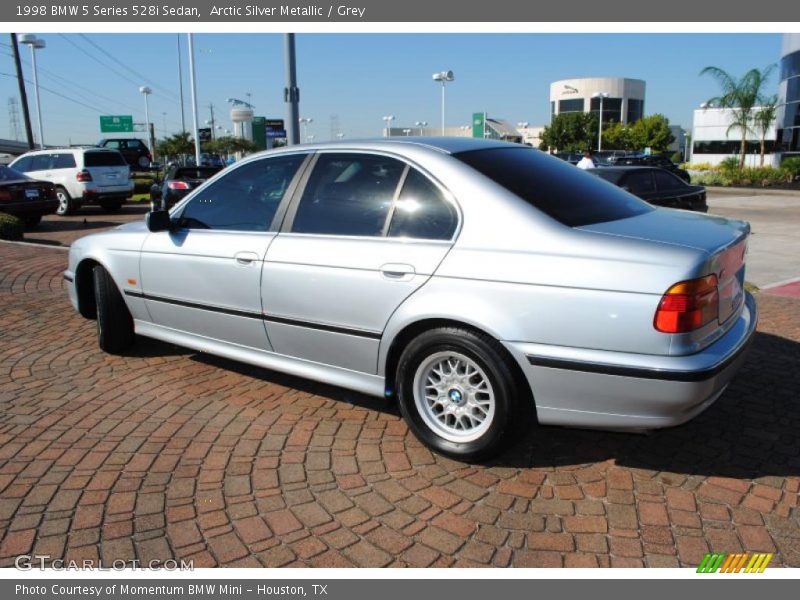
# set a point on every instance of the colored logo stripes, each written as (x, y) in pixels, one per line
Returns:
(734, 563)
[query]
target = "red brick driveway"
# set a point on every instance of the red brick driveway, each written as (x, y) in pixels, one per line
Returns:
(168, 453)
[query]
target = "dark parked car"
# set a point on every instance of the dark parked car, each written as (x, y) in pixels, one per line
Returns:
(26, 198)
(135, 151)
(650, 160)
(656, 186)
(178, 182)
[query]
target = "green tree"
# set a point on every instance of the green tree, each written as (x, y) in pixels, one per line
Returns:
(570, 132)
(763, 120)
(227, 145)
(176, 145)
(617, 136)
(741, 96)
(651, 132)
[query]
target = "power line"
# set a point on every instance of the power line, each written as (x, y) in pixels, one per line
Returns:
(142, 78)
(59, 94)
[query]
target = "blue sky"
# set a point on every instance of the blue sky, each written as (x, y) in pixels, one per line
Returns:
(362, 77)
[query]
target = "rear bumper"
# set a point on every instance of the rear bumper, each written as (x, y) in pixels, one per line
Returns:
(613, 390)
(33, 208)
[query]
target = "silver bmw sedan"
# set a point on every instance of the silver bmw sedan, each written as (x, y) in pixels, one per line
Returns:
(484, 285)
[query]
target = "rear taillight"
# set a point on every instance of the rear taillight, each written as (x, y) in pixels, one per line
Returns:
(5, 195)
(83, 176)
(688, 305)
(177, 185)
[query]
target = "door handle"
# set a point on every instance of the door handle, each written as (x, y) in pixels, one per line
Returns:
(245, 258)
(398, 271)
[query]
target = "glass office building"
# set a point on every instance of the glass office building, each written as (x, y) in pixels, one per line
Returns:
(788, 115)
(624, 102)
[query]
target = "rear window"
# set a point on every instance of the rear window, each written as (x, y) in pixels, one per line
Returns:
(558, 189)
(195, 172)
(8, 174)
(103, 159)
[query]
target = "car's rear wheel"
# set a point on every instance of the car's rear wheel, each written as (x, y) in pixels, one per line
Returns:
(456, 390)
(143, 162)
(114, 322)
(66, 205)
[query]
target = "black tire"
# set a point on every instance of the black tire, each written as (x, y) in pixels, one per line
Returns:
(111, 205)
(66, 205)
(114, 322)
(32, 221)
(143, 162)
(512, 402)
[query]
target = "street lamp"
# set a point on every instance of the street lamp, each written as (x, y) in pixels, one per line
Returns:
(310, 138)
(35, 44)
(146, 91)
(602, 96)
(444, 77)
(340, 135)
(421, 124)
(407, 132)
(304, 123)
(388, 120)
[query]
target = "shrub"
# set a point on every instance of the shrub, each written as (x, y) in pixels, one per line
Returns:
(712, 178)
(676, 157)
(142, 186)
(11, 228)
(698, 166)
(791, 167)
(729, 164)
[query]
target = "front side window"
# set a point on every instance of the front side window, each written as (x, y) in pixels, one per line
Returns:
(421, 211)
(245, 199)
(114, 144)
(348, 194)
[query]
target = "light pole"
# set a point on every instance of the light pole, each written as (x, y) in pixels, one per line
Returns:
(146, 91)
(421, 124)
(444, 77)
(304, 123)
(193, 83)
(164, 116)
(340, 135)
(407, 132)
(310, 138)
(35, 44)
(388, 120)
(602, 96)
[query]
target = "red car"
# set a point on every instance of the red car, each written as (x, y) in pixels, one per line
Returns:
(26, 198)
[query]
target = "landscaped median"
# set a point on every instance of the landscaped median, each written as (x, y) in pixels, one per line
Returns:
(728, 174)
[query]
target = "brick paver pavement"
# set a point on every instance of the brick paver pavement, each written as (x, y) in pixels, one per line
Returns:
(169, 453)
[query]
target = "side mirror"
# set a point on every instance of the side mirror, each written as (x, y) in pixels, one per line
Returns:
(158, 220)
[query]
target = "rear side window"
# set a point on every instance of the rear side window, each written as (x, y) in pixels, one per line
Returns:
(103, 159)
(113, 144)
(668, 182)
(348, 194)
(640, 182)
(421, 211)
(245, 199)
(40, 162)
(556, 188)
(63, 161)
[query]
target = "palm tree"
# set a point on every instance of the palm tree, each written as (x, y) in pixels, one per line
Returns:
(741, 96)
(763, 120)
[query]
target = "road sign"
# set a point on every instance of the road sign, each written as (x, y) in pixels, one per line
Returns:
(204, 134)
(274, 124)
(116, 124)
(478, 124)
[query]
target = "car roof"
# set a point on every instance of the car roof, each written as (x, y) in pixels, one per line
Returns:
(446, 145)
(623, 168)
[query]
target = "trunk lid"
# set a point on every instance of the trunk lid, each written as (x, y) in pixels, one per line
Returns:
(723, 240)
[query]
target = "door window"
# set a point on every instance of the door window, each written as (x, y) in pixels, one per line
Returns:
(348, 194)
(63, 161)
(245, 199)
(23, 164)
(421, 211)
(40, 162)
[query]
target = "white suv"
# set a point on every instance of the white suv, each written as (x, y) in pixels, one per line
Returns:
(81, 175)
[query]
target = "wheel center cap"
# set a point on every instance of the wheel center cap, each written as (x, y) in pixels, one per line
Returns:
(455, 396)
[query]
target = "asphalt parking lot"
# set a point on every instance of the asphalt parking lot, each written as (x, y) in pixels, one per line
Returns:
(169, 453)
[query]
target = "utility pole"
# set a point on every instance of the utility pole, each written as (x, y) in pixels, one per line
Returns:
(291, 93)
(23, 96)
(213, 124)
(193, 84)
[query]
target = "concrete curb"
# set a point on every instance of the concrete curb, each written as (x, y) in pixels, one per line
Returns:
(742, 191)
(52, 247)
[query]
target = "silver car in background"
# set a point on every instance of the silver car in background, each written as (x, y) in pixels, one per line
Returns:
(483, 284)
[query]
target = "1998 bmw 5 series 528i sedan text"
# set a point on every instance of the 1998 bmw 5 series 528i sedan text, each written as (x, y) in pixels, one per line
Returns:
(483, 284)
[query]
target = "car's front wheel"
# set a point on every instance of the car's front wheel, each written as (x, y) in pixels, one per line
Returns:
(456, 390)
(115, 332)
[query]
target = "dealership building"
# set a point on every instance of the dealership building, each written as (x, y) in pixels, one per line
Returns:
(712, 142)
(623, 98)
(788, 115)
